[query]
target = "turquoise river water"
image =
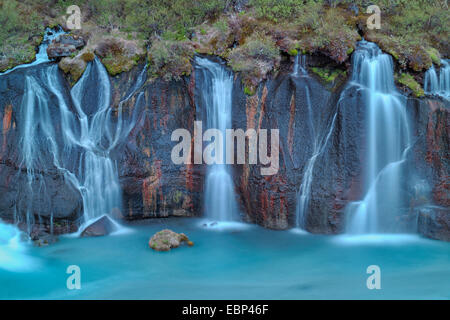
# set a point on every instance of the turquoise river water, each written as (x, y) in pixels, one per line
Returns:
(232, 262)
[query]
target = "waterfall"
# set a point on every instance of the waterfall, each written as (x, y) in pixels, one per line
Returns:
(319, 142)
(304, 193)
(41, 55)
(438, 85)
(387, 142)
(97, 173)
(216, 92)
(78, 143)
(431, 83)
(12, 249)
(299, 63)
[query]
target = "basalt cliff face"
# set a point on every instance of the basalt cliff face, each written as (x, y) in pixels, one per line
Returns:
(303, 109)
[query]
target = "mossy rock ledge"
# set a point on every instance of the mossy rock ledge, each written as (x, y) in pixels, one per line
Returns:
(166, 239)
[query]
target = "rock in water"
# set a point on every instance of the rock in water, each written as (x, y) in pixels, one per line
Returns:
(434, 223)
(45, 240)
(101, 227)
(167, 239)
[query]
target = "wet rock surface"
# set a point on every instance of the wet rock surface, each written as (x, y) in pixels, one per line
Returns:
(50, 193)
(101, 227)
(153, 186)
(434, 223)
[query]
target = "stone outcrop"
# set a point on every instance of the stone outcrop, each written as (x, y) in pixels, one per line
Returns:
(281, 104)
(153, 186)
(429, 187)
(50, 193)
(64, 45)
(167, 239)
(100, 227)
(434, 222)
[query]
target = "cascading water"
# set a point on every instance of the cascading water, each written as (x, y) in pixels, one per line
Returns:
(304, 193)
(388, 140)
(12, 249)
(79, 146)
(299, 63)
(438, 85)
(319, 143)
(41, 55)
(217, 87)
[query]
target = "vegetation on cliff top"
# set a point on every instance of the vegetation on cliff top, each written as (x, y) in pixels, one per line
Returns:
(252, 39)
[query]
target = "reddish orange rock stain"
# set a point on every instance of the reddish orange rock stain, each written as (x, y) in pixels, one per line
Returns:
(6, 124)
(150, 186)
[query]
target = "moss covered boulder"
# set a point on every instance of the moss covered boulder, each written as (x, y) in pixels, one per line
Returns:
(119, 55)
(167, 239)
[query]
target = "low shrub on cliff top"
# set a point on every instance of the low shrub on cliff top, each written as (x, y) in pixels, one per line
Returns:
(336, 35)
(118, 55)
(16, 43)
(411, 31)
(255, 58)
(215, 38)
(170, 59)
(154, 16)
(278, 10)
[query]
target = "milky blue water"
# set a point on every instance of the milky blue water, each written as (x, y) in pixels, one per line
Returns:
(237, 263)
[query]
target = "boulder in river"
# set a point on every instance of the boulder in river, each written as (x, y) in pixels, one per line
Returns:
(434, 222)
(101, 227)
(166, 239)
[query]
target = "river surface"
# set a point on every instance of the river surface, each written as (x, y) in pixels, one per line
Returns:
(232, 261)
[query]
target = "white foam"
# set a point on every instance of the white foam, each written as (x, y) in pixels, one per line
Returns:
(377, 239)
(224, 225)
(13, 251)
(120, 230)
(299, 231)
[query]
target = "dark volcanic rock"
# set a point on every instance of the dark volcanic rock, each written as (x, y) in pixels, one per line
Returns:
(45, 240)
(153, 186)
(434, 223)
(429, 183)
(282, 103)
(64, 46)
(49, 194)
(101, 227)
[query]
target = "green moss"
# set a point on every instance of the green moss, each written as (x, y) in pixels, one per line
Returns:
(249, 91)
(170, 59)
(255, 59)
(408, 80)
(409, 29)
(116, 55)
(88, 56)
(221, 25)
(434, 55)
(178, 196)
(326, 74)
(293, 52)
